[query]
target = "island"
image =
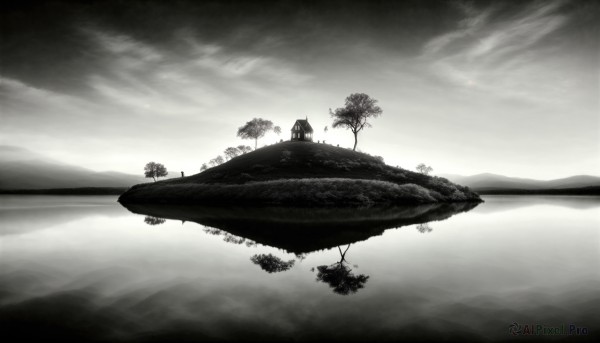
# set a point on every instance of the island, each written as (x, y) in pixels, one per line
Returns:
(302, 174)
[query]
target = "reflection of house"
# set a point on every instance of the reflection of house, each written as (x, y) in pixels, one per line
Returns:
(302, 131)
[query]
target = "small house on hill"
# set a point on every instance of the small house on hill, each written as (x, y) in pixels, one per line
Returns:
(302, 131)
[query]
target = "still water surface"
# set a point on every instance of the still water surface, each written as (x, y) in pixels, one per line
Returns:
(84, 267)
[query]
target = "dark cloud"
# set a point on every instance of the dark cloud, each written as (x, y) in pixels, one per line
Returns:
(112, 73)
(43, 43)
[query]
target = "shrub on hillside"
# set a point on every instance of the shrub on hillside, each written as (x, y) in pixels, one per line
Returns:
(245, 177)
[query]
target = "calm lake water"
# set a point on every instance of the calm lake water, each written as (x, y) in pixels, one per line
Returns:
(86, 268)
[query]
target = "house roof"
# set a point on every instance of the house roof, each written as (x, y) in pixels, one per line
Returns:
(304, 125)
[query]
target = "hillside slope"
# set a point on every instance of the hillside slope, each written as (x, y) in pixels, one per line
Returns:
(302, 173)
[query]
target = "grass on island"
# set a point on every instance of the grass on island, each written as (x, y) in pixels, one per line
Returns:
(302, 174)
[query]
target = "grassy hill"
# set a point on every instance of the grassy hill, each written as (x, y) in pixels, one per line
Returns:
(302, 174)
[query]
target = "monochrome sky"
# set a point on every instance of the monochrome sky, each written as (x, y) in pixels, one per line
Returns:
(509, 87)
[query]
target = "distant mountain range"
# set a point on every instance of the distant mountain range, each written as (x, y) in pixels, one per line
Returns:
(23, 169)
(488, 181)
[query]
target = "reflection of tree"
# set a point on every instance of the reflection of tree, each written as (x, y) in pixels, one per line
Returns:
(301, 257)
(340, 277)
(229, 238)
(424, 228)
(271, 264)
(154, 220)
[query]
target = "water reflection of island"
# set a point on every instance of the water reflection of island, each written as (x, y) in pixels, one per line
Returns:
(339, 276)
(303, 230)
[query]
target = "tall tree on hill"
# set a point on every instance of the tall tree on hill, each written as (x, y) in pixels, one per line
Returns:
(423, 169)
(359, 107)
(255, 129)
(155, 170)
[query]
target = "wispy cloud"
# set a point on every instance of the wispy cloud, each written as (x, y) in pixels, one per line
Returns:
(502, 57)
(189, 92)
(124, 46)
(237, 65)
(467, 27)
(192, 78)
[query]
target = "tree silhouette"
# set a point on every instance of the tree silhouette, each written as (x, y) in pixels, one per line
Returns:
(340, 277)
(423, 169)
(359, 107)
(255, 129)
(244, 148)
(228, 237)
(154, 220)
(424, 228)
(216, 161)
(277, 130)
(271, 263)
(155, 170)
(203, 167)
(231, 152)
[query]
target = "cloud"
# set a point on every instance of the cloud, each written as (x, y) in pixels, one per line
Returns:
(125, 46)
(510, 58)
(145, 96)
(240, 65)
(468, 26)
(193, 77)
(25, 101)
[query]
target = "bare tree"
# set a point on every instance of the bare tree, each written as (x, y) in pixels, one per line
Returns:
(423, 169)
(154, 170)
(231, 152)
(255, 129)
(359, 107)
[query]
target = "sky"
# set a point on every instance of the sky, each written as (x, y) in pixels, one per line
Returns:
(506, 87)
